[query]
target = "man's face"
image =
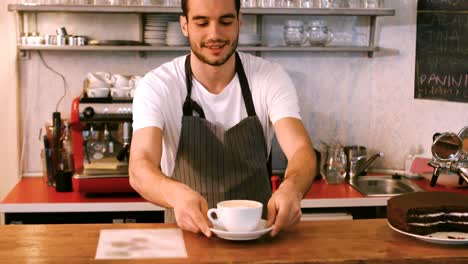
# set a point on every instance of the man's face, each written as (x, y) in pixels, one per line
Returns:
(212, 27)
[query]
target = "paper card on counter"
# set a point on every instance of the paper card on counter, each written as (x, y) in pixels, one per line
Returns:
(141, 243)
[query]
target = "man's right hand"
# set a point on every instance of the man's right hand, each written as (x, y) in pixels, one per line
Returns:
(190, 209)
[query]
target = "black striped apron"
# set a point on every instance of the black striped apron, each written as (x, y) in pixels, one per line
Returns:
(222, 164)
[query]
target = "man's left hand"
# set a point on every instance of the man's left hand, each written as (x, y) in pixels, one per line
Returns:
(284, 207)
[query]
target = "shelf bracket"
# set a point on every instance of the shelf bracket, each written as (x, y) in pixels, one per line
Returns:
(142, 54)
(259, 31)
(373, 22)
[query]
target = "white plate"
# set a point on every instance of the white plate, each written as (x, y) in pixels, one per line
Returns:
(175, 35)
(177, 38)
(252, 43)
(258, 232)
(155, 28)
(156, 24)
(154, 34)
(439, 237)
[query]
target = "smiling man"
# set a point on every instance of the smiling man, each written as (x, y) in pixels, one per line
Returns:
(203, 125)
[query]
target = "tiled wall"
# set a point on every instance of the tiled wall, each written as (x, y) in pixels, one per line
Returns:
(343, 96)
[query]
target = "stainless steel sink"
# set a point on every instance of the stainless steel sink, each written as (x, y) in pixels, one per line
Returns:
(383, 185)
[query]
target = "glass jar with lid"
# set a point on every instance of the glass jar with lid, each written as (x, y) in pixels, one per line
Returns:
(318, 33)
(294, 33)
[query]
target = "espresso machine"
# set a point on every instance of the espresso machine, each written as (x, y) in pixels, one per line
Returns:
(450, 154)
(101, 136)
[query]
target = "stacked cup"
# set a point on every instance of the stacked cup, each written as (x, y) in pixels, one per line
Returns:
(121, 86)
(103, 84)
(134, 81)
(98, 84)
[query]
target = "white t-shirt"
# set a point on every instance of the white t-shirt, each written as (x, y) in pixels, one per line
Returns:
(160, 96)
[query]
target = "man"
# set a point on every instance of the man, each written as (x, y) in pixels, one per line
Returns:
(202, 123)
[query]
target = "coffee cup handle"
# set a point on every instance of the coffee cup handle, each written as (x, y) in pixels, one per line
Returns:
(214, 221)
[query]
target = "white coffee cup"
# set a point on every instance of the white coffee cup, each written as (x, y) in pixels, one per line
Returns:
(119, 80)
(236, 215)
(98, 92)
(134, 81)
(121, 92)
(98, 79)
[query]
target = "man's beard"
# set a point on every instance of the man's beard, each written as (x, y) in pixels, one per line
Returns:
(220, 61)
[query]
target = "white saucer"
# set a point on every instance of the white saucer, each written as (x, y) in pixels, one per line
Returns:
(258, 232)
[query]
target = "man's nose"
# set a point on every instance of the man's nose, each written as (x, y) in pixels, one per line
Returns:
(215, 30)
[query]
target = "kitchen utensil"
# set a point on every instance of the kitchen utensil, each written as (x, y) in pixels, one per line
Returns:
(294, 33)
(357, 160)
(98, 79)
(334, 165)
(119, 80)
(259, 231)
(61, 31)
(236, 215)
(248, 3)
(80, 40)
(121, 92)
(71, 41)
(134, 81)
(61, 40)
(318, 33)
(98, 92)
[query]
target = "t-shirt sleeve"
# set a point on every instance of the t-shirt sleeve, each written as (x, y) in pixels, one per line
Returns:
(148, 103)
(281, 95)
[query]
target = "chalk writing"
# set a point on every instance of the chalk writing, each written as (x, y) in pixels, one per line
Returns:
(442, 51)
(442, 5)
(445, 80)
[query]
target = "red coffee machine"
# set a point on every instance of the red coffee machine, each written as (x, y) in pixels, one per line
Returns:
(101, 136)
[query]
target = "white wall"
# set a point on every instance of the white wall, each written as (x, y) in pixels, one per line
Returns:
(9, 102)
(343, 96)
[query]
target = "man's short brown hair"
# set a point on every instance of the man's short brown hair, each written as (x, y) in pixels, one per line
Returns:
(184, 4)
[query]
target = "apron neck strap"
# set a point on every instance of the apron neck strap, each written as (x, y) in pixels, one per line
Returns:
(244, 83)
(190, 105)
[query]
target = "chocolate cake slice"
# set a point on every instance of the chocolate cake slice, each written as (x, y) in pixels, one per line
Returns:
(425, 213)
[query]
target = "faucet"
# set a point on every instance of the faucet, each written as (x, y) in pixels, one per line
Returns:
(356, 170)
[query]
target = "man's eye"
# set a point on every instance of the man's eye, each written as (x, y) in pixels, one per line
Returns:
(202, 24)
(226, 23)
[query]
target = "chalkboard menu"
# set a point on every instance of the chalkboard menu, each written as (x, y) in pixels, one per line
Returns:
(442, 50)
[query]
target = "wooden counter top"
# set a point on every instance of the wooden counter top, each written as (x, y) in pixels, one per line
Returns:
(358, 241)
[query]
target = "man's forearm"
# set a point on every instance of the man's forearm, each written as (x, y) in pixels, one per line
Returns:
(150, 182)
(301, 169)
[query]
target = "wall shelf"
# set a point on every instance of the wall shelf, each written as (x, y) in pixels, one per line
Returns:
(372, 13)
(177, 10)
(186, 48)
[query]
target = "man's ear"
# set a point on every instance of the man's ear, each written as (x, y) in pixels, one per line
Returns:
(183, 25)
